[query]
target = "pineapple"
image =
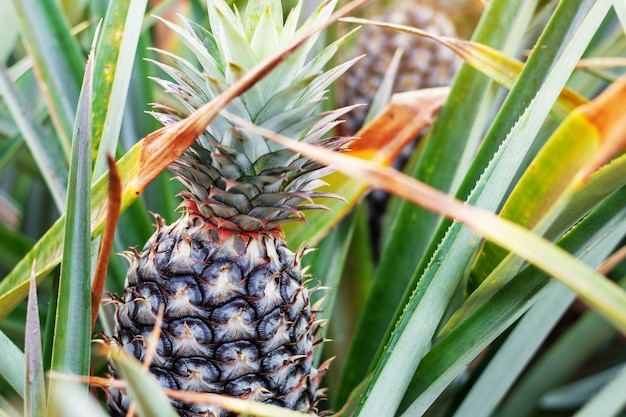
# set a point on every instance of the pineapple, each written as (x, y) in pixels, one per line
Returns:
(237, 318)
(424, 63)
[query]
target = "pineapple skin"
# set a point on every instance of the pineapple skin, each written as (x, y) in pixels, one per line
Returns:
(237, 318)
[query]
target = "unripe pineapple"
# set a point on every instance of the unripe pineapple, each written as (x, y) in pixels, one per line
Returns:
(424, 63)
(237, 319)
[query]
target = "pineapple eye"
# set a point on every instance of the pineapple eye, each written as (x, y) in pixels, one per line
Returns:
(187, 366)
(186, 284)
(271, 323)
(247, 386)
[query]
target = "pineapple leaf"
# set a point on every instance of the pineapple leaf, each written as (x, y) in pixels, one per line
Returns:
(602, 229)
(35, 400)
(266, 36)
(234, 46)
(609, 400)
(589, 334)
(206, 39)
(13, 246)
(10, 29)
(113, 63)
(13, 365)
(554, 174)
(518, 121)
(512, 357)
(72, 401)
(48, 156)
(333, 250)
(202, 43)
(72, 327)
(57, 57)
(620, 10)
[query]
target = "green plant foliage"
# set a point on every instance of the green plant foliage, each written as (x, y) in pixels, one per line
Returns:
(428, 317)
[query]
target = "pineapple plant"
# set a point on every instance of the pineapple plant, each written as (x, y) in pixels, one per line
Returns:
(237, 314)
(463, 313)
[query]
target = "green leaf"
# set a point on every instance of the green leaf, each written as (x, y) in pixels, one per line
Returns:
(72, 338)
(558, 364)
(12, 365)
(516, 351)
(58, 59)
(327, 264)
(113, 64)
(592, 239)
(519, 121)
(13, 246)
(542, 190)
(70, 401)
(610, 401)
(10, 30)
(45, 149)
(35, 400)
(579, 392)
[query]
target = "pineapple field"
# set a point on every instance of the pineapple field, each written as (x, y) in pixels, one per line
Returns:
(282, 208)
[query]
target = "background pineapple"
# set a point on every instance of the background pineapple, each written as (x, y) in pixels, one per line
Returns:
(423, 64)
(237, 318)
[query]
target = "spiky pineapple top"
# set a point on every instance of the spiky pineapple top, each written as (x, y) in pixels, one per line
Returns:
(237, 179)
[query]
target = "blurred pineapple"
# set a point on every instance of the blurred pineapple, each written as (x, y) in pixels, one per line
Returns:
(424, 63)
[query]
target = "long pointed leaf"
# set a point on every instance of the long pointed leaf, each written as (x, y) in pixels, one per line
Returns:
(610, 401)
(72, 336)
(518, 121)
(558, 364)
(592, 240)
(113, 66)
(440, 164)
(70, 401)
(511, 358)
(147, 394)
(35, 401)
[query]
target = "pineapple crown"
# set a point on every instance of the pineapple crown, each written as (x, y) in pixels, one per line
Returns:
(234, 178)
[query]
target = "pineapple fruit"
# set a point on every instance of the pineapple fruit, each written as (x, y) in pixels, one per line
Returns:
(424, 63)
(237, 318)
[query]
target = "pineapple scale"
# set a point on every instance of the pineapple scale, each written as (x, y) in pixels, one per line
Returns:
(237, 316)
